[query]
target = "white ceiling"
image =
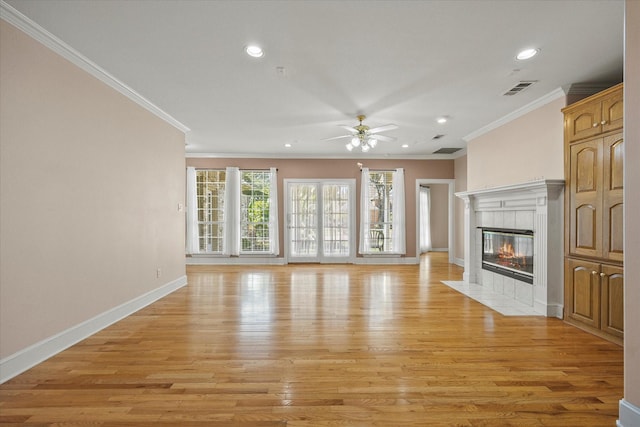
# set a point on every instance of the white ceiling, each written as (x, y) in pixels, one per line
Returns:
(402, 62)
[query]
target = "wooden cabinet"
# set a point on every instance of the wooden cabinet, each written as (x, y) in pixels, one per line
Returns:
(612, 300)
(587, 119)
(583, 280)
(612, 197)
(594, 205)
(595, 181)
(585, 198)
(596, 297)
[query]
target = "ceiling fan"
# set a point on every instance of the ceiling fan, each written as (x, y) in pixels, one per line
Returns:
(364, 137)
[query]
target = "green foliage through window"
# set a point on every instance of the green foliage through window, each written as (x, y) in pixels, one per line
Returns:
(255, 205)
(381, 210)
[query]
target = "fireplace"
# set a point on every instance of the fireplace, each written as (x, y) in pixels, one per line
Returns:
(537, 206)
(508, 252)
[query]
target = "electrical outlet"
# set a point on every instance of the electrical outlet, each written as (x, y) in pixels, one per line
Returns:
(158, 273)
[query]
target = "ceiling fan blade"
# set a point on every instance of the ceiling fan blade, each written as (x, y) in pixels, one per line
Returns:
(338, 137)
(384, 138)
(349, 128)
(383, 128)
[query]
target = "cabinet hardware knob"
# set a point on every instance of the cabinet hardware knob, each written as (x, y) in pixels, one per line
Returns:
(595, 125)
(602, 274)
(604, 122)
(594, 272)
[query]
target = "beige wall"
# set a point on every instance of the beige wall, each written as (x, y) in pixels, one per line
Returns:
(90, 184)
(526, 149)
(461, 185)
(342, 169)
(632, 203)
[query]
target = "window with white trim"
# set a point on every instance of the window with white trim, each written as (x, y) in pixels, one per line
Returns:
(210, 187)
(380, 227)
(232, 212)
(255, 207)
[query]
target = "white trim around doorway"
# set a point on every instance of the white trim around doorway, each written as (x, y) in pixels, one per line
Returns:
(451, 198)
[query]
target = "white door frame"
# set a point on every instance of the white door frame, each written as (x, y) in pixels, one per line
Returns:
(352, 222)
(451, 213)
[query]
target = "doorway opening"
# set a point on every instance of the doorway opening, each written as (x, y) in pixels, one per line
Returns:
(434, 216)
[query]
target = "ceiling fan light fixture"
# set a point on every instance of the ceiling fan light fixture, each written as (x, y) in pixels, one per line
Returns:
(363, 136)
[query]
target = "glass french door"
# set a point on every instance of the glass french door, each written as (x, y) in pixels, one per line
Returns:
(320, 220)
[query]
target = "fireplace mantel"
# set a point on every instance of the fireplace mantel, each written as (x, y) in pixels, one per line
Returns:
(517, 196)
(535, 205)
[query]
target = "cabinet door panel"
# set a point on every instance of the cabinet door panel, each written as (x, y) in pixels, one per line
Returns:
(582, 291)
(612, 198)
(614, 243)
(584, 122)
(614, 162)
(612, 307)
(586, 232)
(585, 200)
(612, 112)
(586, 165)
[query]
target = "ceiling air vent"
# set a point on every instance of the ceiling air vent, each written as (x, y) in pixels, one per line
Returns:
(447, 150)
(438, 136)
(519, 87)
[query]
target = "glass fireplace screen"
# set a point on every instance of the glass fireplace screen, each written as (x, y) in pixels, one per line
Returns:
(508, 252)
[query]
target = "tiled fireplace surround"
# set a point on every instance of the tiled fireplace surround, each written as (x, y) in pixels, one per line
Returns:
(537, 206)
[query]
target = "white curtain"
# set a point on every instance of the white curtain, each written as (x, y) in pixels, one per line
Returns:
(365, 218)
(232, 194)
(399, 231)
(425, 219)
(274, 234)
(193, 234)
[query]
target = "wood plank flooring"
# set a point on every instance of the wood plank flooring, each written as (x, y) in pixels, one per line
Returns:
(323, 345)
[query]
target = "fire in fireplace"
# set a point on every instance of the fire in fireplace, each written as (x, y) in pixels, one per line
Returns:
(508, 252)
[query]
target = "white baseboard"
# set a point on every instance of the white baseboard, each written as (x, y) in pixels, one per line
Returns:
(367, 259)
(27, 358)
(224, 260)
(629, 415)
(549, 310)
(386, 260)
(459, 262)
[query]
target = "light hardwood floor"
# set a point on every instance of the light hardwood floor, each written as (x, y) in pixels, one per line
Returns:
(330, 345)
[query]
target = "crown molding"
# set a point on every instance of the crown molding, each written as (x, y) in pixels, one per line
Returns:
(550, 97)
(288, 156)
(25, 24)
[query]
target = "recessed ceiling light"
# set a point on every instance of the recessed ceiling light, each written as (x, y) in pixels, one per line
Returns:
(527, 54)
(441, 120)
(405, 145)
(255, 51)
(287, 145)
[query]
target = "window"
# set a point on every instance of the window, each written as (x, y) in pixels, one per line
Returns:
(210, 186)
(255, 206)
(380, 211)
(382, 221)
(232, 212)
